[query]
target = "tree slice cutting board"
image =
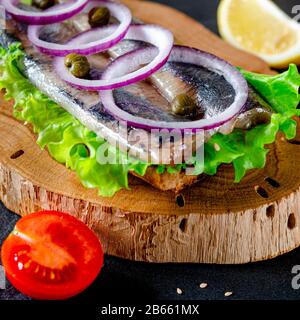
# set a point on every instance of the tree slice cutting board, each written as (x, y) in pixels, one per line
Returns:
(215, 221)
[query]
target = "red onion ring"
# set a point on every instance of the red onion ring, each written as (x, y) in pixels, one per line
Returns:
(185, 55)
(100, 43)
(159, 37)
(55, 14)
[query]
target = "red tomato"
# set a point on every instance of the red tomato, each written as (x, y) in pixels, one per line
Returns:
(51, 255)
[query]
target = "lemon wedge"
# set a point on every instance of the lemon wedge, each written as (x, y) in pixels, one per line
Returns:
(261, 28)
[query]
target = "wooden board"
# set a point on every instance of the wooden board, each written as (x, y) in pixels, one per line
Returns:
(215, 221)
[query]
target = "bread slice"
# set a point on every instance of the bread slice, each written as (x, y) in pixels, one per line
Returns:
(168, 181)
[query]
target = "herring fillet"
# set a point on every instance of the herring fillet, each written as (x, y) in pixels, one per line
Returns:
(171, 81)
(85, 105)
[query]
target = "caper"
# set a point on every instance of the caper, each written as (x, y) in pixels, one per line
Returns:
(77, 64)
(184, 105)
(43, 4)
(99, 16)
(72, 58)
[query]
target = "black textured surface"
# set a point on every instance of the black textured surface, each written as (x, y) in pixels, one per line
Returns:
(133, 281)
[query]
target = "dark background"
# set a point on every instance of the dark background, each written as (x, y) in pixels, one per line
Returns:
(125, 280)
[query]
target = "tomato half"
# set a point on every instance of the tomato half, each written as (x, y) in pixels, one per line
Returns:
(51, 255)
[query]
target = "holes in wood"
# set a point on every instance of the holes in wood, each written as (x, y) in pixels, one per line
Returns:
(261, 192)
(17, 154)
(180, 200)
(273, 183)
(270, 212)
(291, 221)
(296, 142)
(183, 225)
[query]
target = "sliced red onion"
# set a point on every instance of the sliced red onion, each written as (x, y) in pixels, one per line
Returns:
(102, 39)
(125, 73)
(54, 14)
(185, 55)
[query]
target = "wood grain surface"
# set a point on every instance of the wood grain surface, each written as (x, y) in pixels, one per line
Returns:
(215, 221)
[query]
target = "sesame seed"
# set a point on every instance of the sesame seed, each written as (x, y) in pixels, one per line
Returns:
(228, 294)
(203, 285)
(217, 147)
(179, 291)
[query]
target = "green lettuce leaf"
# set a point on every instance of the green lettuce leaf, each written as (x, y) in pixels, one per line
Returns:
(69, 142)
(280, 91)
(246, 148)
